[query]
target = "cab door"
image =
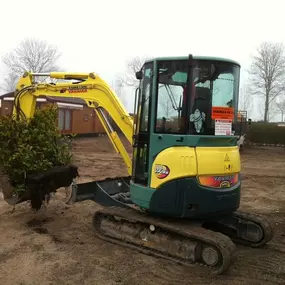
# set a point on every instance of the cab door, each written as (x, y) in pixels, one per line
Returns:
(142, 129)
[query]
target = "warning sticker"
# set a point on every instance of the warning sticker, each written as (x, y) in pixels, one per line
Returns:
(223, 127)
(226, 158)
(223, 113)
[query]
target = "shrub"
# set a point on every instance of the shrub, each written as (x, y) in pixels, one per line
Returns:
(32, 146)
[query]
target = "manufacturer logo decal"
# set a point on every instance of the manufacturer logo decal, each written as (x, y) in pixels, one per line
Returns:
(161, 171)
(222, 181)
(225, 184)
(77, 89)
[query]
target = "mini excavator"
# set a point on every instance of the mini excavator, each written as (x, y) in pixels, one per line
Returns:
(181, 196)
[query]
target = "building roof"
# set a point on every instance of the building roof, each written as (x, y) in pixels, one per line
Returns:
(10, 94)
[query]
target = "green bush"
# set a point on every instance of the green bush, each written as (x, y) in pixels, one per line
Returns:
(266, 133)
(32, 146)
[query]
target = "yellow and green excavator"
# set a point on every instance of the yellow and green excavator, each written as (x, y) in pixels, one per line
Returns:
(180, 200)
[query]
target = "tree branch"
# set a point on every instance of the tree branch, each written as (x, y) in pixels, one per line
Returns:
(132, 66)
(267, 73)
(31, 55)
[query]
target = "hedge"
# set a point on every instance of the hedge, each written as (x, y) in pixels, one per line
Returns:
(266, 133)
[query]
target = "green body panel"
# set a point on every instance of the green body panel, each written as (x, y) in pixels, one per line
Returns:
(141, 195)
(195, 58)
(186, 198)
(160, 142)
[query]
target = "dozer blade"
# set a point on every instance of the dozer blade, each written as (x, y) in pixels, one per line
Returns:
(243, 228)
(179, 241)
(107, 192)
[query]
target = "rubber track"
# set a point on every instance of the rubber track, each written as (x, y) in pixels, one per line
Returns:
(262, 222)
(223, 243)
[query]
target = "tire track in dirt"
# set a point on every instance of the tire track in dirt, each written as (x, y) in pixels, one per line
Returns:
(259, 266)
(62, 249)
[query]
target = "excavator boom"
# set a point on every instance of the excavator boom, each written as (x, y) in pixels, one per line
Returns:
(91, 88)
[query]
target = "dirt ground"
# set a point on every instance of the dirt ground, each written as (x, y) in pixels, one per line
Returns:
(57, 246)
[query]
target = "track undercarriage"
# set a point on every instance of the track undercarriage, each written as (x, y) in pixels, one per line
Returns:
(209, 243)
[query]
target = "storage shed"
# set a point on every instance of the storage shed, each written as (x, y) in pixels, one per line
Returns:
(74, 117)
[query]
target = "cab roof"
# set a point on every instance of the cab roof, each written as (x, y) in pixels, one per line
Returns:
(195, 57)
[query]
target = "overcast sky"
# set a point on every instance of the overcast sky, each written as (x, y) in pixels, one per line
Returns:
(101, 35)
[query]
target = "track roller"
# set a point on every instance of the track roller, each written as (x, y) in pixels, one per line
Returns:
(179, 241)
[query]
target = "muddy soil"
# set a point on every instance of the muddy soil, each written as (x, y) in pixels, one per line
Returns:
(57, 245)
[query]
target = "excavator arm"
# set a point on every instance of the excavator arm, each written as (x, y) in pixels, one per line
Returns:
(91, 88)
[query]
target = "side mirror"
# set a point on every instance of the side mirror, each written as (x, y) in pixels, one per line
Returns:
(139, 75)
(249, 122)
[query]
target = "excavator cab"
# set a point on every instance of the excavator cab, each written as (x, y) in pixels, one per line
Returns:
(191, 166)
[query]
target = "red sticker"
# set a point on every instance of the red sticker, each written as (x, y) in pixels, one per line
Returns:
(223, 113)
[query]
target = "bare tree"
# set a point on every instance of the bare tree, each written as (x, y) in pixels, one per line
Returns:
(245, 98)
(267, 73)
(167, 107)
(31, 55)
(10, 82)
(118, 88)
(281, 107)
(273, 109)
(132, 66)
